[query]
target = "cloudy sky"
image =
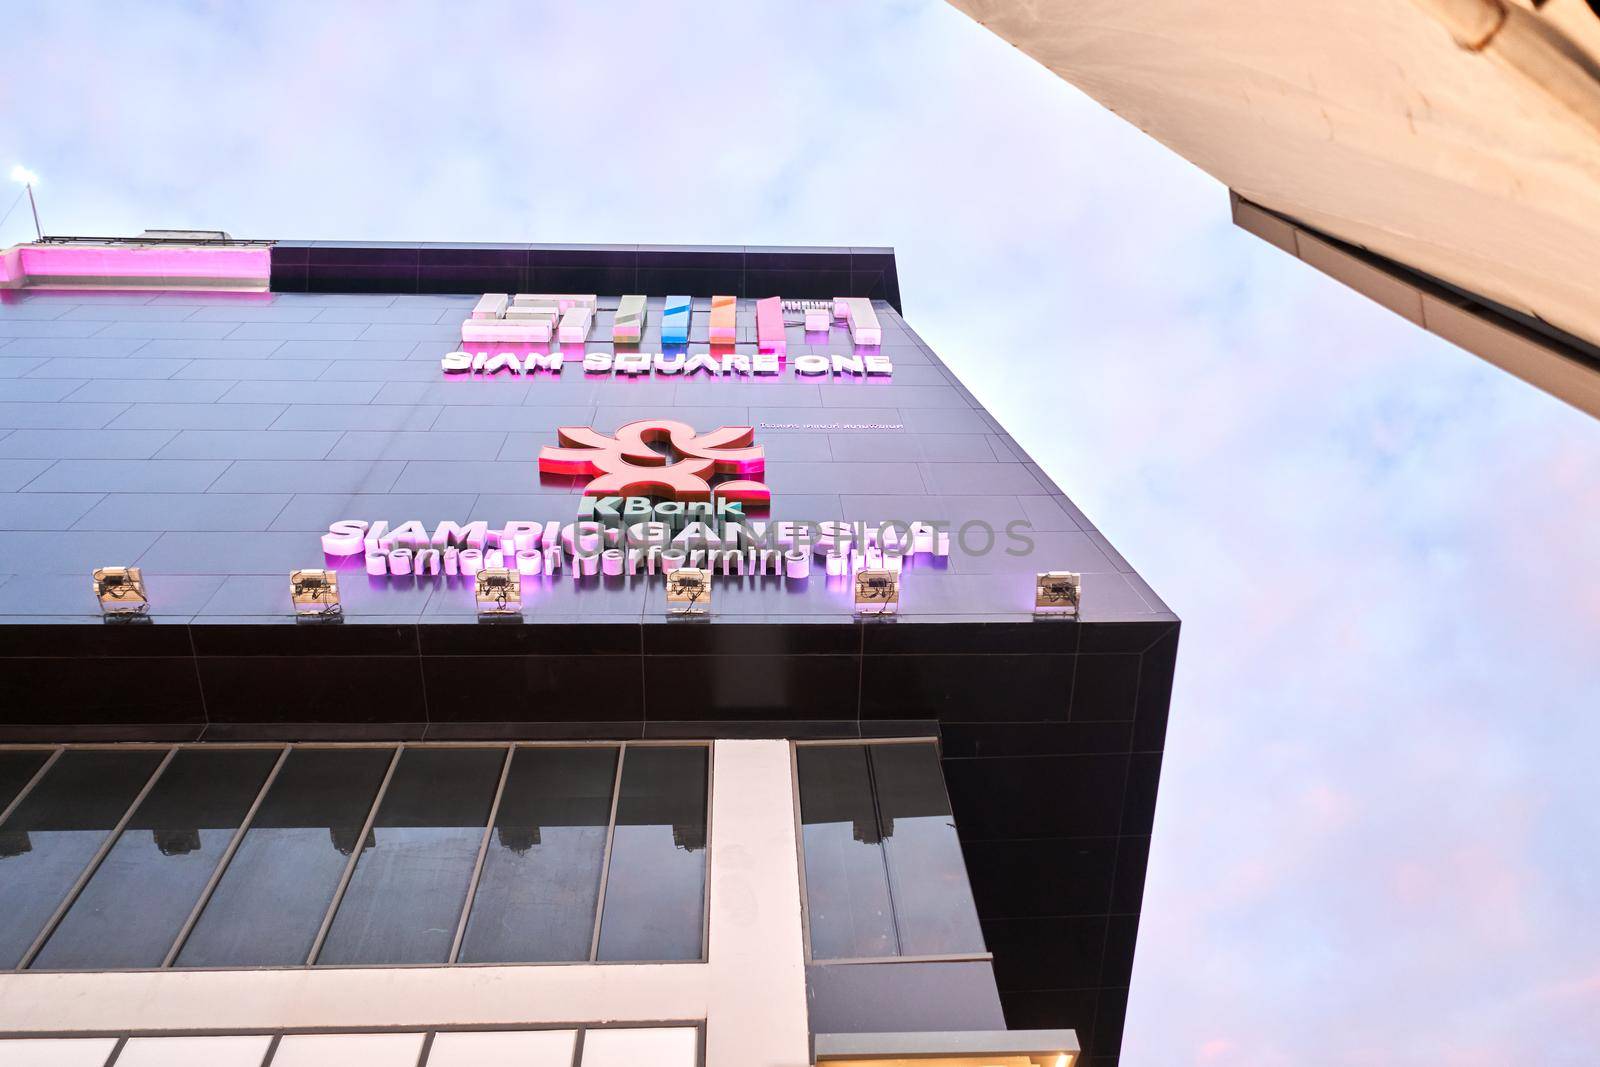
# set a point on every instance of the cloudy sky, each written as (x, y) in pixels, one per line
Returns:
(1377, 836)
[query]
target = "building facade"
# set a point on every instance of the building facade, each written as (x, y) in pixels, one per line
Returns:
(419, 654)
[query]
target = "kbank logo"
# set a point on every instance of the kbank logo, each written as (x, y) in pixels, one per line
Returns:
(662, 458)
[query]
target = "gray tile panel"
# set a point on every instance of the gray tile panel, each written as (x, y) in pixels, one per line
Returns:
(380, 370)
(221, 416)
(957, 478)
(185, 329)
(272, 313)
(123, 313)
(506, 393)
(326, 476)
(267, 370)
(45, 511)
(75, 444)
(131, 367)
(39, 390)
(414, 314)
(65, 416)
(28, 552)
(908, 446)
(16, 368)
(129, 476)
(324, 348)
(493, 418)
(49, 328)
(50, 347)
(905, 397)
(447, 333)
(357, 417)
(301, 391)
(414, 444)
(477, 476)
(17, 473)
(196, 512)
(116, 390)
(237, 553)
(248, 444)
(297, 331)
(314, 512)
(209, 348)
(263, 420)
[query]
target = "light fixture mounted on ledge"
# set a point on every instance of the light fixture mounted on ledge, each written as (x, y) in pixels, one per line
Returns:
(315, 594)
(120, 591)
(688, 591)
(877, 592)
(1057, 593)
(499, 592)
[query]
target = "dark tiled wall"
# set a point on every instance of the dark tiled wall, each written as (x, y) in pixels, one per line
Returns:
(799, 273)
(1051, 732)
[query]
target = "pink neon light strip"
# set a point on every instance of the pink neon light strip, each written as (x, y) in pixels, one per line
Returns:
(214, 264)
(769, 325)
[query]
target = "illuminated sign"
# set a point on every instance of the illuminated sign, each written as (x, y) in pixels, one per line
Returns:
(500, 336)
(660, 496)
(723, 321)
(629, 463)
(675, 312)
(628, 327)
(529, 318)
(769, 325)
(688, 364)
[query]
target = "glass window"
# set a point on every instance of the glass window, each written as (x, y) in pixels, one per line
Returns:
(628, 1047)
(57, 1051)
(884, 871)
(405, 899)
(16, 767)
(349, 1050)
(933, 906)
(847, 881)
(541, 875)
(656, 882)
(503, 1048)
(270, 903)
(131, 910)
(231, 1051)
(55, 831)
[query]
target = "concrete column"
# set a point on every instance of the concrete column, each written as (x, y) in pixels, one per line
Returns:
(757, 1000)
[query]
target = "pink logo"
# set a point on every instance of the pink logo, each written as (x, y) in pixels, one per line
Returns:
(627, 465)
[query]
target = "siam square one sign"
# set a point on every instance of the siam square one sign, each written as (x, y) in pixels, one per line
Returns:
(524, 335)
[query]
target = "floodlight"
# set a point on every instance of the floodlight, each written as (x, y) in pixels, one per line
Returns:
(1057, 593)
(499, 592)
(120, 591)
(315, 594)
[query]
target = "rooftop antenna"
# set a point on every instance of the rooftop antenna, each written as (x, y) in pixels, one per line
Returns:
(29, 179)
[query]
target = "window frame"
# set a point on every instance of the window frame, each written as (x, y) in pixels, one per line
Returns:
(398, 749)
(800, 854)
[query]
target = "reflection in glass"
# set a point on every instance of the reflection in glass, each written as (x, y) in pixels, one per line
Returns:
(933, 906)
(16, 767)
(656, 884)
(268, 906)
(847, 882)
(54, 832)
(132, 908)
(541, 875)
(404, 900)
